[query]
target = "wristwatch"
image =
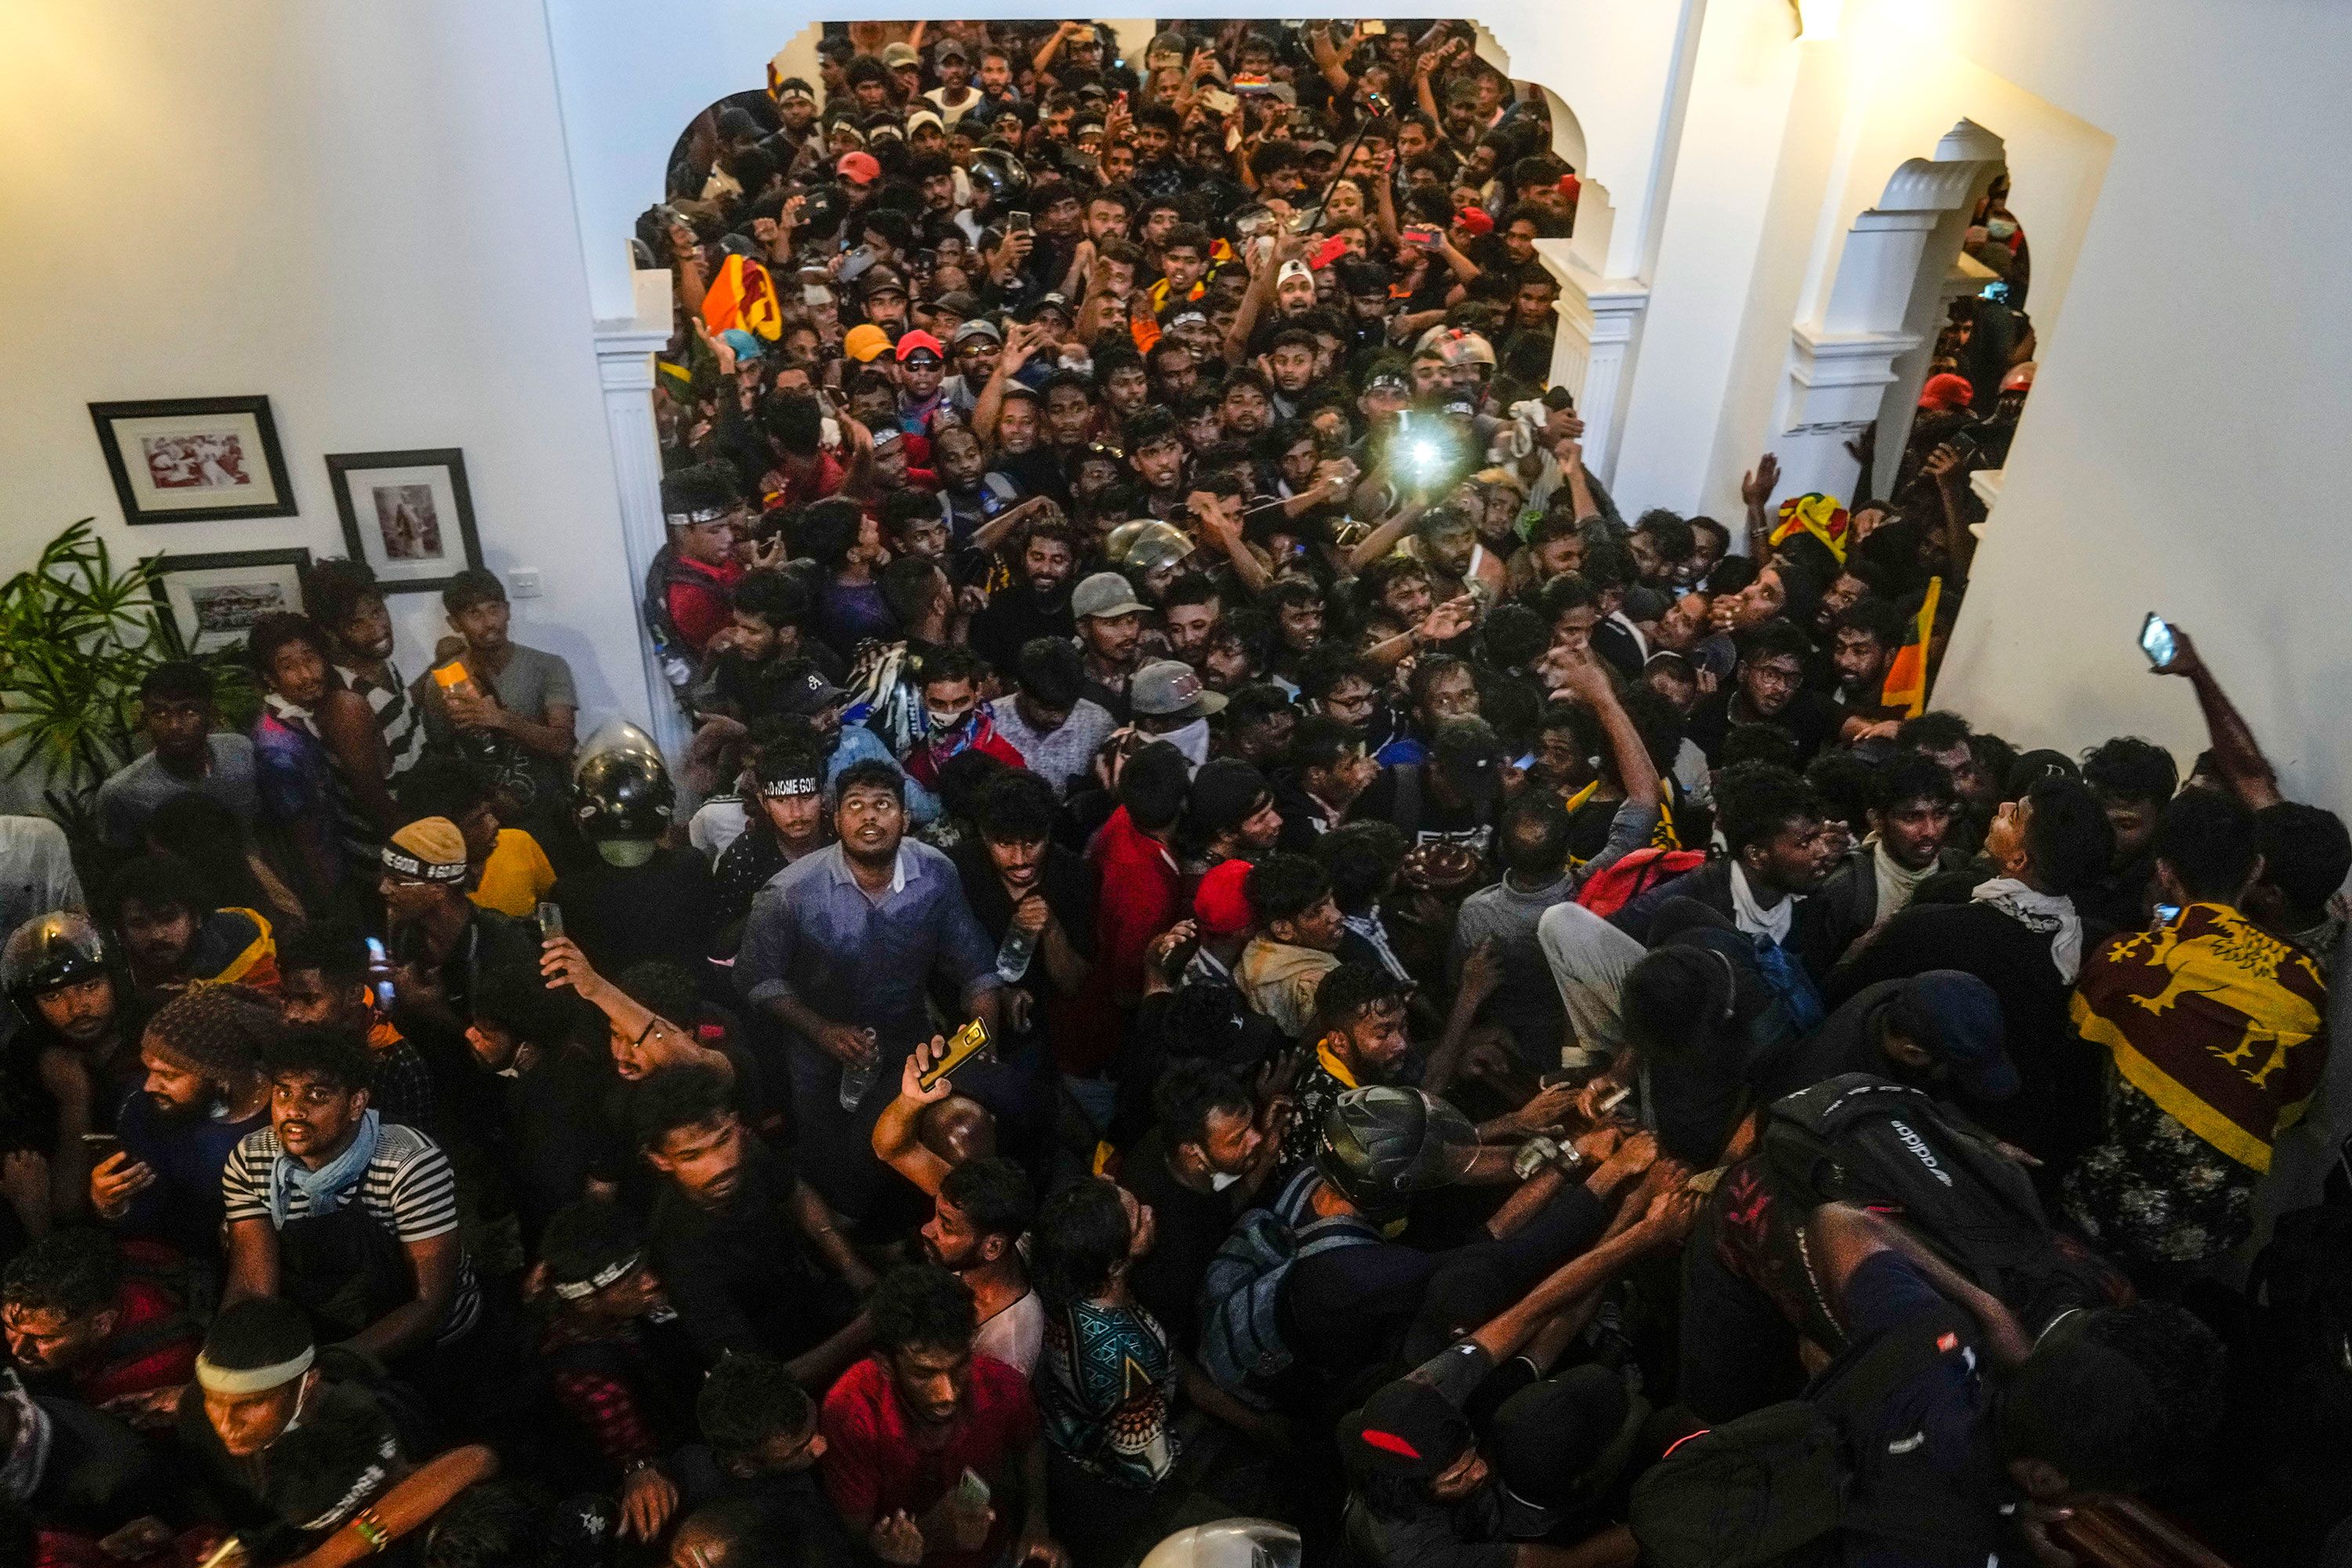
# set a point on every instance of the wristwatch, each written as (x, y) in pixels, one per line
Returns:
(1537, 1152)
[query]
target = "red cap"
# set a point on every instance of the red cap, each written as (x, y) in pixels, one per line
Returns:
(1218, 904)
(1477, 220)
(861, 168)
(918, 338)
(1947, 391)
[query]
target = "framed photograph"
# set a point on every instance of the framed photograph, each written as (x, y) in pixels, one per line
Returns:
(194, 460)
(212, 601)
(407, 514)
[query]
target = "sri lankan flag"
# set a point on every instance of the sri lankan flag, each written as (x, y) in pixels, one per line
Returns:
(1816, 515)
(2219, 1023)
(744, 295)
(1906, 675)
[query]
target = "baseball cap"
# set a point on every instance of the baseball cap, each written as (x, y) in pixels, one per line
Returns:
(865, 342)
(979, 327)
(960, 303)
(1407, 1430)
(1218, 904)
(803, 692)
(1103, 596)
(1293, 268)
(923, 116)
(1957, 1018)
(951, 49)
(1477, 220)
(860, 168)
(897, 55)
(881, 281)
(1165, 688)
(1224, 791)
(917, 342)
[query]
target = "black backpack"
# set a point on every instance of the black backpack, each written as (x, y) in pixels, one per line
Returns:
(1890, 1148)
(1775, 1488)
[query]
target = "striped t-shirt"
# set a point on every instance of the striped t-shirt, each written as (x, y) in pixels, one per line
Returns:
(408, 1190)
(395, 715)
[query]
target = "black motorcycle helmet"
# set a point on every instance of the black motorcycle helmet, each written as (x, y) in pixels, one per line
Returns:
(620, 787)
(1381, 1145)
(58, 949)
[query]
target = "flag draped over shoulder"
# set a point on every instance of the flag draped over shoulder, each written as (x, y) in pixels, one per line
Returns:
(1906, 672)
(744, 295)
(2222, 1024)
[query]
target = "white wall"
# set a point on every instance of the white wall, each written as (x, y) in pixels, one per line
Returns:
(363, 211)
(2181, 450)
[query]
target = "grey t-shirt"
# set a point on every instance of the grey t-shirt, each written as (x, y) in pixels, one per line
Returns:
(532, 681)
(128, 799)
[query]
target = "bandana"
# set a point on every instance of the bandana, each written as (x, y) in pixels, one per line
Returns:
(407, 865)
(696, 518)
(215, 1378)
(430, 849)
(2045, 914)
(580, 1289)
(788, 789)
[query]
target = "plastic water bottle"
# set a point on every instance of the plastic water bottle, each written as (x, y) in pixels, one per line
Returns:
(857, 1082)
(1012, 954)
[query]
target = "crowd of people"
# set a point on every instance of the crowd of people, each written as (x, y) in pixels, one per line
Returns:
(1234, 942)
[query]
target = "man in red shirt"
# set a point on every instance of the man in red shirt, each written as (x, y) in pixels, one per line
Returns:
(1138, 888)
(933, 1454)
(691, 580)
(76, 1317)
(954, 719)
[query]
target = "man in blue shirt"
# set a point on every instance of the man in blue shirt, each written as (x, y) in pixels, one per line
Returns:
(839, 950)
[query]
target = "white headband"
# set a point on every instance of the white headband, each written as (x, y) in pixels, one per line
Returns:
(218, 1378)
(698, 516)
(580, 1289)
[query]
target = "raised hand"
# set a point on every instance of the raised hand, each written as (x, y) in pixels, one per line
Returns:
(1756, 485)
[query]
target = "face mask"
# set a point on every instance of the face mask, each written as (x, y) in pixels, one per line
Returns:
(1999, 228)
(1219, 1181)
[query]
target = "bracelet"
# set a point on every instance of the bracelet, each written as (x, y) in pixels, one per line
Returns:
(371, 1531)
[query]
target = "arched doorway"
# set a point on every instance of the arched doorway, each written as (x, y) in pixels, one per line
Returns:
(1859, 363)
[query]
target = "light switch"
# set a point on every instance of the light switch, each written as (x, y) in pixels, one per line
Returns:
(523, 582)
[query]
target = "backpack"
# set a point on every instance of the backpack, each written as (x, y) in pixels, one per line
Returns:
(1865, 1141)
(1631, 875)
(1776, 1486)
(1241, 1335)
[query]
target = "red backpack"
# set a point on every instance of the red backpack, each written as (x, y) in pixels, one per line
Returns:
(1622, 880)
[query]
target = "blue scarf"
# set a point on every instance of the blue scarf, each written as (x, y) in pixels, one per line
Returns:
(324, 1188)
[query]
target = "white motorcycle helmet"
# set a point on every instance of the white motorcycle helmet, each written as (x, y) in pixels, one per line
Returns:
(1228, 1544)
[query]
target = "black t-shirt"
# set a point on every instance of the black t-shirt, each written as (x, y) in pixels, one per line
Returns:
(662, 909)
(558, 1136)
(1402, 796)
(1811, 719)
(738, 1275)
(1012, 617)
(1191, 1227)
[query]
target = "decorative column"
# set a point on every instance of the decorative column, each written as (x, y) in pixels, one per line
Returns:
(1593, 349)
(1859, 357)
(625, 366)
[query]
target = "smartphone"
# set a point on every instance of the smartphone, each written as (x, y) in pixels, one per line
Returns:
(1018, 222)
(2157, 641)
(551, 921)
(1421, 236)
(965, 1044)
(1616, 1099)
(1375, 28)
(380, 966)
(103, 1146)
(971, 1488)
(1217, 100)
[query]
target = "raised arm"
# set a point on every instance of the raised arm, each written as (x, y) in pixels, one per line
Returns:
(898, 1139)
(2236, 753)
(407, 1507)
(1755, 488)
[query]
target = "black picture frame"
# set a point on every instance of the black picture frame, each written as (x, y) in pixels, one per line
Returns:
(150, 494)
(416, 566)
(172, 578)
